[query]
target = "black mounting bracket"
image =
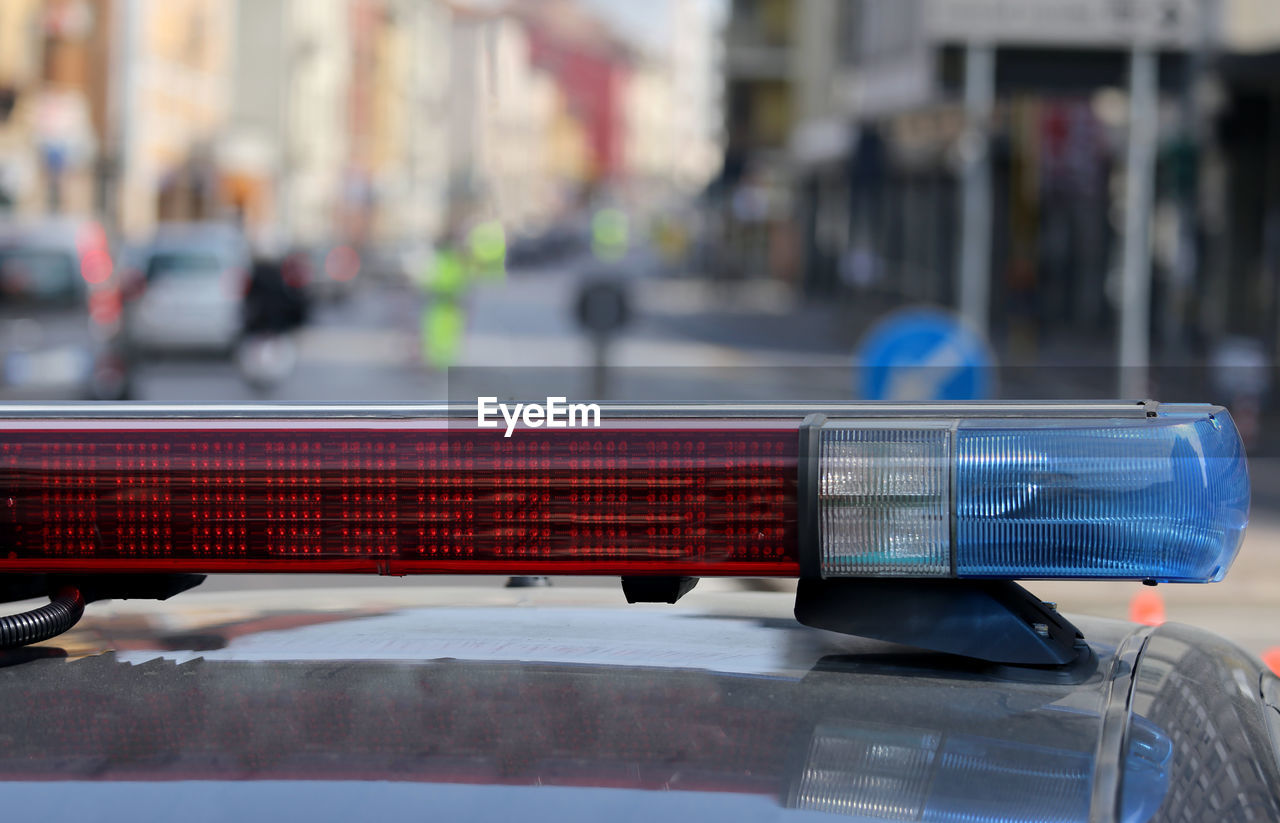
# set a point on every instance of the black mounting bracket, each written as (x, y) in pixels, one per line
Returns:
(95, 587)
(657, 589)
(993, 620)
(527, 581)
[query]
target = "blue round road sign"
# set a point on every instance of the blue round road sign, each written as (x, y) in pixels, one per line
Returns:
(922, 354)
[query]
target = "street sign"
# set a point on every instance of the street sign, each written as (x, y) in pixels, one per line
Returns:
(923, 354)
(603, 307)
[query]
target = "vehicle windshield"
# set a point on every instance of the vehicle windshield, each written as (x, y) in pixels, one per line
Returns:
(34, 275)
(180, 266)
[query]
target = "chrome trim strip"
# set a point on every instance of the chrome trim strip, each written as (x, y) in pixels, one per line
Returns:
(835, 411)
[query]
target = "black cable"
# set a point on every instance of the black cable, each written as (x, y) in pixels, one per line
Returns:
(64, 611)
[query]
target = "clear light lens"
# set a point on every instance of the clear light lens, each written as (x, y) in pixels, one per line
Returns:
(884, 502)
(1164, 499)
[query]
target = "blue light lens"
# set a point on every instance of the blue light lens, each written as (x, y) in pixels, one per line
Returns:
(1164, 499)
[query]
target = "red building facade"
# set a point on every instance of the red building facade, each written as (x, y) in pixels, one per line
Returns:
(590, 66)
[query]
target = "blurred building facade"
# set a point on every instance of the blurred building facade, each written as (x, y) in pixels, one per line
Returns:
(852, 113)
(753, 191)
(283, 151)
(1055, 141)
(1246, 172)
(590, 66)
(673, 108)
(651, 144)
(336, 130)
(373, 121)
(174, 98)
(112, 107)
(501, 118)
(55, 103)
(20, 80)
(421, 182)
(695, 64)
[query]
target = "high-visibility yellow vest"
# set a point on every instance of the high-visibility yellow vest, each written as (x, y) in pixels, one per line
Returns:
(487, 243)
(610, 235)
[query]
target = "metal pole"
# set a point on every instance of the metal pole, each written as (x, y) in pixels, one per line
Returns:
(1193, 137)
(975, 206)
(127, 65)
(288, 79)
(599, 366)
(1135, 305)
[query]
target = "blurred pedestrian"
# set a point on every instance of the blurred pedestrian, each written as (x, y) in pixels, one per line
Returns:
(275, 305)
(458, 264)
(274, 301)
(610, 235)
(487, 243)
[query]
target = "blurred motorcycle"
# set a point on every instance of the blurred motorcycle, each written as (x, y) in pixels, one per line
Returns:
(266, 360)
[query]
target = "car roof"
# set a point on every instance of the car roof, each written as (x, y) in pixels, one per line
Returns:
(50, 231)
(197, 236)
(465, 697)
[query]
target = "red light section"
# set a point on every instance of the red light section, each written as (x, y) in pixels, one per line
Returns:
(708, 499)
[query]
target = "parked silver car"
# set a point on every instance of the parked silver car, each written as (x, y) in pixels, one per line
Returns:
(59, 313)
(185, 289)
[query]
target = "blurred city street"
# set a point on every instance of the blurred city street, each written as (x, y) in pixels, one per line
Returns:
(757, 339)
(364, 349)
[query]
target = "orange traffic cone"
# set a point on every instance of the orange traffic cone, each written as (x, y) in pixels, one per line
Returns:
(1272, 658)
(1147, 608)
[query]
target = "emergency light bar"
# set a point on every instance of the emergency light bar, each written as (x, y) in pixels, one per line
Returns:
(906, 523)
(1000, 491)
